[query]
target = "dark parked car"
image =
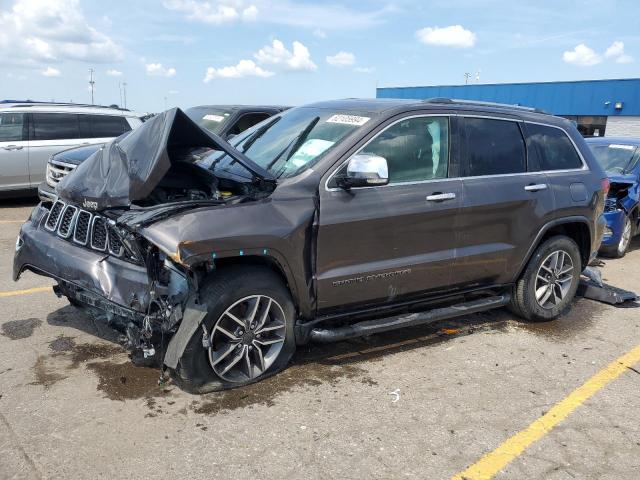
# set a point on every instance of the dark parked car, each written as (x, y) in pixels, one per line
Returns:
(327, 222)
(620, 158)
(223, 120)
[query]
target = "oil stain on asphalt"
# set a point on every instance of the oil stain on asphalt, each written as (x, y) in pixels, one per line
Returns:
(313, 365)
(311, 374)
(19, 329)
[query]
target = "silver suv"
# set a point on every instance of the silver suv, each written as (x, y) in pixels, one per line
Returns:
(30, 132)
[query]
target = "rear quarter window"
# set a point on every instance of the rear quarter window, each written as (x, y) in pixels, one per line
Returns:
(554, 149)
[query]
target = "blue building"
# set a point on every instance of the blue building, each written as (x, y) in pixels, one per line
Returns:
(599, 107)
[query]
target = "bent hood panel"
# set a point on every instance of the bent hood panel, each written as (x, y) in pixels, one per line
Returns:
(128, 169)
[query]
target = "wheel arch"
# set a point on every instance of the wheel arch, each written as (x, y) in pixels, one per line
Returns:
(577, 228)
(270, 262)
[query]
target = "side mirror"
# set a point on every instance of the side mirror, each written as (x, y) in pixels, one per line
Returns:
(364, 170)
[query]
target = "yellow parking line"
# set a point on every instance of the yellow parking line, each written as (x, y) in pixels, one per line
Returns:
(14, 293)
(493, 462)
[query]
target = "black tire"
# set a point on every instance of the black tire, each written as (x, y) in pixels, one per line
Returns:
(223, 289)
(620, 250)
(523, 299)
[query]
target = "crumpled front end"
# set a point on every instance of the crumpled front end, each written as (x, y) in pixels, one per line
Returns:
(95, 265)
(623, 197)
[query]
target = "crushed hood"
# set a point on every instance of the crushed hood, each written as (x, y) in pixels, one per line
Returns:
(128, 168)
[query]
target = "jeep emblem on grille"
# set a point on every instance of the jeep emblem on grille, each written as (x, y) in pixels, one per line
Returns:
(89, 204)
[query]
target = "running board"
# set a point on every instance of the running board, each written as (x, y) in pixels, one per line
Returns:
(369, 327)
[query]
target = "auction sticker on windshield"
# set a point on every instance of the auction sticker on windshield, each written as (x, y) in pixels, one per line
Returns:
(348, 120)
(213, 118)
(622, 147)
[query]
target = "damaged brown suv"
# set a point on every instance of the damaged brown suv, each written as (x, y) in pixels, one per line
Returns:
(323, 223)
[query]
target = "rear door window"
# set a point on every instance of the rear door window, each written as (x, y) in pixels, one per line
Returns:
(55, 126)
(106, 125)
(493, 147)
(555, 150)
(11, 125)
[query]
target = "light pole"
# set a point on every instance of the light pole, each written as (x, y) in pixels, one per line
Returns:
(124, 93)
(91, 83)
(467, 76)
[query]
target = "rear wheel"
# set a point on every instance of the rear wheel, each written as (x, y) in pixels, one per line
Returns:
(549, 282)
(248, 331)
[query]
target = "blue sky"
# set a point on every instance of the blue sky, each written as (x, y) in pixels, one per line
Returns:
(189, 52)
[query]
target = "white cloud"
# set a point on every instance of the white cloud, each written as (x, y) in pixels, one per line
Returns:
(277, 54)
(582, 56)
(114, 73)
(624, 58)
(319, 33)
(50, 72)
(159, 70)
(452, 36)
(616, 51)
(215, 12)
(364, 69)
(244, 68)
(328, 16)
(250, 14)
(36, 31)
(341, 59)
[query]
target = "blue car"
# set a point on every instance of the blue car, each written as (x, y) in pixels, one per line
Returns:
(619, 157)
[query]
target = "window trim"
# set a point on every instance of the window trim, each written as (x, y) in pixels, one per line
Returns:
(585, 166)
(417, 182)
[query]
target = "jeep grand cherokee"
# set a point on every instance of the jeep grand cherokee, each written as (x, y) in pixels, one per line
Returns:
(323, 223)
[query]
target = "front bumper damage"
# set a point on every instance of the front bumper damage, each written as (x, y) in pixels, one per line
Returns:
(615, 225)
(122, 292)
(81, 272)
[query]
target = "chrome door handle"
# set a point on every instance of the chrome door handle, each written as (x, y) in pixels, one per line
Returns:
(536, 187)
(13, 147)
(441, 197)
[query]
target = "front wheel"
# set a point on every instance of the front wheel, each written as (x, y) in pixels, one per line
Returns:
(625, 239)
(549, 282)
(248, 331)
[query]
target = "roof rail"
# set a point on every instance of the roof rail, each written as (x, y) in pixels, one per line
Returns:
(485, 104)
(30, 103)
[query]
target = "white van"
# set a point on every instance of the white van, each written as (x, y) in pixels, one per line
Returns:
(31, 132)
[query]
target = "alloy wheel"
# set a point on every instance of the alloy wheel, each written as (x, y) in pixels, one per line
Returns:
(554, 278)
(247, 338)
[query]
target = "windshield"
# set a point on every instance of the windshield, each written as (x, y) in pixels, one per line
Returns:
(615, 158)
(213, 119)
(291, 142)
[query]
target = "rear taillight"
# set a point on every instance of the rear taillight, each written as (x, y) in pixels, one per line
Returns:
(605, 185)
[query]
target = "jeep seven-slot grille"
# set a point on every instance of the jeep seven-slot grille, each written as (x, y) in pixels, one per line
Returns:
(99, 233)
(54, 216)
(84, 228)
(81, 232)
(66, 221)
